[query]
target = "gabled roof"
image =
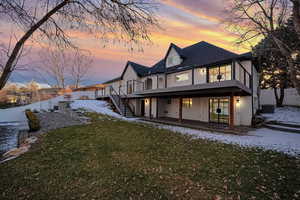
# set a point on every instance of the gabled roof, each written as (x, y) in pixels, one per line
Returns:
(196, 55)
(199, 54)
(140, 70)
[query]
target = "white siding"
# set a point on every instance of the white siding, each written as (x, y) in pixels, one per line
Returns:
(243, 111)
(173, 58)
(198, 111)
(169, 110)
(161, 81)
(153, 107)
(128, 76)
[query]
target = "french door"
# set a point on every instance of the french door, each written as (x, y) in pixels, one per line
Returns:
(219, 110)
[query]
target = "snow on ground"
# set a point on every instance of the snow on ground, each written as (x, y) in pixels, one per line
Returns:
(285, 114)
(267, 139)
(17, 114)
(99, 107)
(288, 143)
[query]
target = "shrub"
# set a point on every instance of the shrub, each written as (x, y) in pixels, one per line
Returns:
(33, 121)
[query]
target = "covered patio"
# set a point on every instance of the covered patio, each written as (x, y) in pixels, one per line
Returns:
(213, 127)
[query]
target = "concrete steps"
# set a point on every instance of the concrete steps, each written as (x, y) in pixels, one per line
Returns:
(280, 126)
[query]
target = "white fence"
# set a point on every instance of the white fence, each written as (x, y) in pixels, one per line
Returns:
(291, 97)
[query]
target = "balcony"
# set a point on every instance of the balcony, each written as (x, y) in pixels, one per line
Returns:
(208, 89)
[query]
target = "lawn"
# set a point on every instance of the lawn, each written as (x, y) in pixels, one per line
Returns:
(112, 159)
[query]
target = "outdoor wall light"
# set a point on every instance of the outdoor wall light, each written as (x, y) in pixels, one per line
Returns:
(146, 101)
(203, 71)
(238, 101)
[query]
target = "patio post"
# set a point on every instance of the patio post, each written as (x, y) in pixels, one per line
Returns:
(231, 114)
(150, 107)
(180, 109)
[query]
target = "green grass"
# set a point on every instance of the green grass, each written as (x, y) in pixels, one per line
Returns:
(111, 159)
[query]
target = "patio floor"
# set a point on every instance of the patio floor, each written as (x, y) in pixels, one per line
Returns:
(213, 127)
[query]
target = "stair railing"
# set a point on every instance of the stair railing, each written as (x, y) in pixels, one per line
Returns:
(126, 103)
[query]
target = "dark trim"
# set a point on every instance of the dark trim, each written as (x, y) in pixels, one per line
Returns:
(166, 80)
(193, 76)
(252, 81)
(218, 97)
(156, 108)
(207, 74)
(231, 111)
(150, 107)
(233, 70)
(242, 66)
(180, 110)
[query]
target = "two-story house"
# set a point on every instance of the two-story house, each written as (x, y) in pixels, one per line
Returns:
(200, 83)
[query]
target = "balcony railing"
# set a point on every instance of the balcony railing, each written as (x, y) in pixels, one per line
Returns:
(238, 72)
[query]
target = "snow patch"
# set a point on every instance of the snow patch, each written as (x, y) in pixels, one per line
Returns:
(288, 143)
(290, 115)
(101, 107)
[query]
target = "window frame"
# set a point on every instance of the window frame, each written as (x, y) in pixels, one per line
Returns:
(224, 76)
(181, 74)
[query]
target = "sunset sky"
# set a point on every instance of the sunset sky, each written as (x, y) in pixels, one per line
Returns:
(183, 22)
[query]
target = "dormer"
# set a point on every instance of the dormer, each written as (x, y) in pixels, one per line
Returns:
(173, 57)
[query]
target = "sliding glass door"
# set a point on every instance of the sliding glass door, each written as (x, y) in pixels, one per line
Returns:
(219, 110)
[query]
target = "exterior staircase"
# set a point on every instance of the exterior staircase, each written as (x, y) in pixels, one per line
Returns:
(121, 104)
(275, 125)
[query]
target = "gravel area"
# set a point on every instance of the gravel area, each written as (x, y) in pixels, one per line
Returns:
(55, 120)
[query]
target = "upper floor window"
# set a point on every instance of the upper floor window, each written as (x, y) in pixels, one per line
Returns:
(220, 73)
(148, 84)
(182, 77)
(130, 87)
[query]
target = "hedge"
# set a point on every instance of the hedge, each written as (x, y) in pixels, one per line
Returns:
(33, 121)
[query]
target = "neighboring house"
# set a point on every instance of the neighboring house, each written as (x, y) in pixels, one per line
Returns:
(200, 83)
(47, 93)
(89, 88)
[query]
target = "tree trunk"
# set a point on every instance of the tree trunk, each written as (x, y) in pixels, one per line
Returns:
(12, 58)
(296, 16)
(279, 100)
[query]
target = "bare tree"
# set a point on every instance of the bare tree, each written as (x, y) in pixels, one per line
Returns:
(80, 65)
(128, 20)
(254, 19)
(5, 51)
(56, 63)
(296, 15)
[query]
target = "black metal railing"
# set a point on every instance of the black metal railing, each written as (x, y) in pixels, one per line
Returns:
(244, 76)
(121, 98)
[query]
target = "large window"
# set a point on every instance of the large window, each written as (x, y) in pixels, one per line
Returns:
(182, 77)
(221, 73)
(148, 84)
(187, 102)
